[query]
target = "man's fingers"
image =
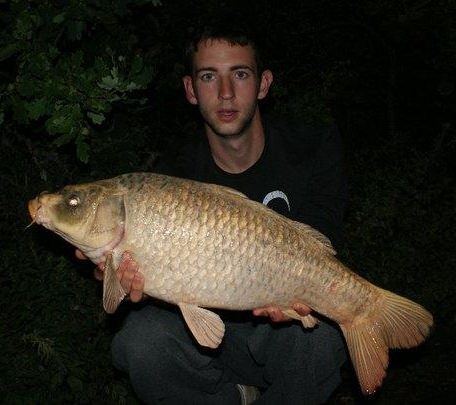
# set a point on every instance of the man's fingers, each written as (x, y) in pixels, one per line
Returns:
(80, 255)
(98, 273)
(274, 313)
(131, 280)
(260, 312)
(126, 273)
(137, 287)
(302, 309)
(277, 315)
(124, 266)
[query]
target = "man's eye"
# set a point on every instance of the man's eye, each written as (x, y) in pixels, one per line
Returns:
(206, 77)
(241, 74)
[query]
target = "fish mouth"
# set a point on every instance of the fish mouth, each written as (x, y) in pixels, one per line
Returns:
(33, 207)
(38, 213)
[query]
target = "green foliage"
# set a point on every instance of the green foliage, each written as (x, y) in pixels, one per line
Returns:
(73, 63)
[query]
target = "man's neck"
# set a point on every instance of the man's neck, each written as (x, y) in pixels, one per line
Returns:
(237, 154)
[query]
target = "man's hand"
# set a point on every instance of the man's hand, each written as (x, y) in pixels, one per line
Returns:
(130, 278)
(277, 315)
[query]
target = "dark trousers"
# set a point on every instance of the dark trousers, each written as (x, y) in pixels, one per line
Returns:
(166, 365)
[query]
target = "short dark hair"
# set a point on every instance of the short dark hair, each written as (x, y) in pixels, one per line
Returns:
(233, 32)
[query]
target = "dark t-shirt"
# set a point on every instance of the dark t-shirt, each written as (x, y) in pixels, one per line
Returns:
(299, 174)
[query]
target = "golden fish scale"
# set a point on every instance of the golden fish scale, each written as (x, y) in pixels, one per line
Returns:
(195, 244)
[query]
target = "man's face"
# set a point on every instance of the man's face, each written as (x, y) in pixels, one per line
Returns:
(225, 86)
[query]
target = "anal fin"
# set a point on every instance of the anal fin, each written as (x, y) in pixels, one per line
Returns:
(206, 326)
(113, 292)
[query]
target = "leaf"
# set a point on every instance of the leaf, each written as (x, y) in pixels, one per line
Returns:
(96, 105)
(96, 118)
(132, 86)
(37, 109)
(66, 121)
(59, 18)
(82, 151)
(59, 124)
(63, 139)
(144, 78)
(109, 83)
(23, 28)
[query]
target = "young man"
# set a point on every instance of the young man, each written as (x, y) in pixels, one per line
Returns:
(298, 173)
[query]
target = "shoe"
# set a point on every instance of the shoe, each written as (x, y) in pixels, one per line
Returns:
(248, 393)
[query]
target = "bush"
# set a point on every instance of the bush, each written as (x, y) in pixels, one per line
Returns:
(68, 63)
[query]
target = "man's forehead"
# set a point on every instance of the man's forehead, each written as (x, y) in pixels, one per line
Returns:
(207, 42)
(222, 52)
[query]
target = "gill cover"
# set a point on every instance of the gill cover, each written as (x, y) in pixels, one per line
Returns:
(109, 214)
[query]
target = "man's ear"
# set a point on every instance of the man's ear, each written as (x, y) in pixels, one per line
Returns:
(189, 91)
(266, 81)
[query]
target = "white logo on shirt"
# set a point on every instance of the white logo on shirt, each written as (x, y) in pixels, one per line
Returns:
(276, 194)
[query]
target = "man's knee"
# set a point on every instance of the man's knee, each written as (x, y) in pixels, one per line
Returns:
(141, 340)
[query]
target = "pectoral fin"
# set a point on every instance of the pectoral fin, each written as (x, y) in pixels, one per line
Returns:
(206, 326)
(113, 293)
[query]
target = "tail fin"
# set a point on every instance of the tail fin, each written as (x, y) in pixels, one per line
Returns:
(400, 323)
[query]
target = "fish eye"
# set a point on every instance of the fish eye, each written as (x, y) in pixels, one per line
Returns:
(73, 201)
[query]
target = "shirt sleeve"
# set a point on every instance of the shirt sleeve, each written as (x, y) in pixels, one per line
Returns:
(324, 202)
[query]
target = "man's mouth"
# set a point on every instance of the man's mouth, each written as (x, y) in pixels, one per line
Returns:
(227, 115)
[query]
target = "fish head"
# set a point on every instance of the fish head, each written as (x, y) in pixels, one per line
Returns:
(89, 216)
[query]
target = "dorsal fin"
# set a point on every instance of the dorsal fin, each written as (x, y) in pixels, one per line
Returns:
(322, 240)
(223, 189)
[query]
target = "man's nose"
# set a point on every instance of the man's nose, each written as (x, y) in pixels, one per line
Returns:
(226, 90)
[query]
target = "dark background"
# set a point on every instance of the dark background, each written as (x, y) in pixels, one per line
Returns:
(383, 71)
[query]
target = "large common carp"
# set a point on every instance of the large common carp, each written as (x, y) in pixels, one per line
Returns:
(205, 246)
